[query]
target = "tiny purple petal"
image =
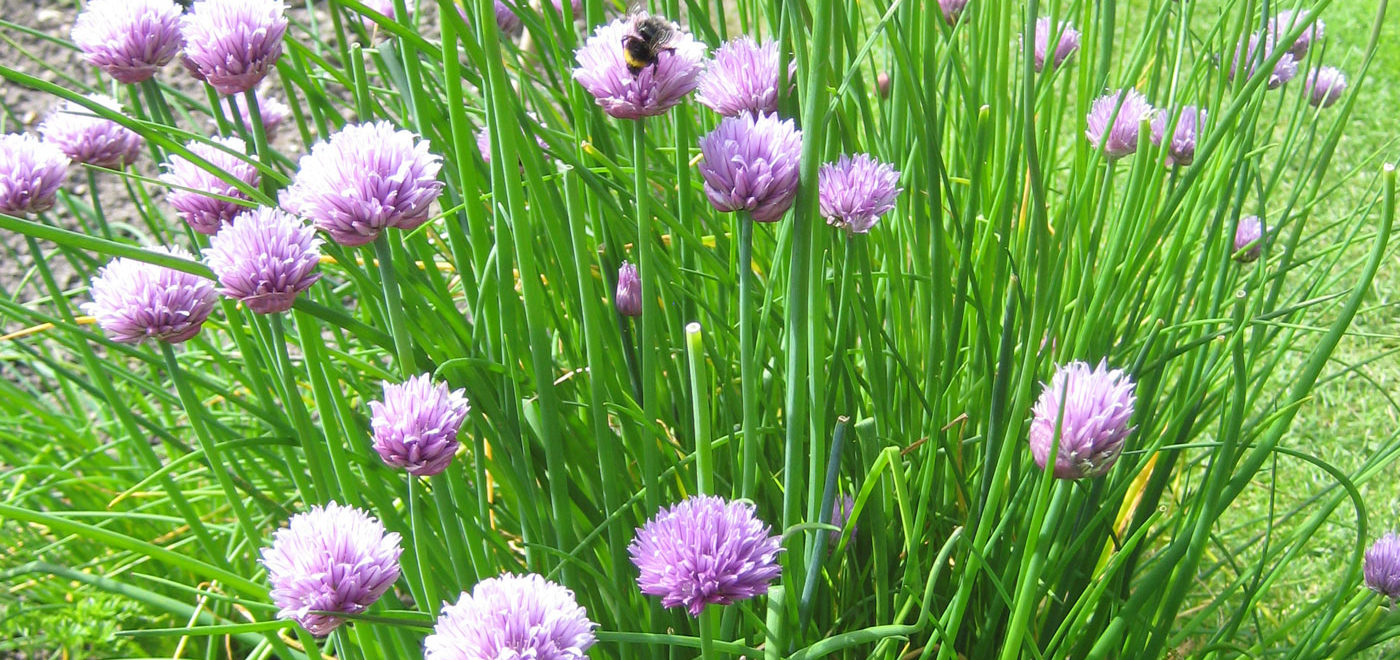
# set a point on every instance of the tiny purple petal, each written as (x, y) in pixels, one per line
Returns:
(1181, 149)
(507, 20)
(705, 551)
(233, 44)
(334, 559)
(31, 172)
(265, 258)
(1126, 109)
(751, 164)
(952, 9)
(129, 39)
(653, 90)
(415, 427)
(1097, 403)
(855, 192)
(134, 300)
(365, 178)
(512, 617)
(191, 185)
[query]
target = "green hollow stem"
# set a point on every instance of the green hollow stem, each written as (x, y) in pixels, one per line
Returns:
(700, 409)
(420, 554)
(97, 205)
(750, 384)
(312, 440)
(651, 321)
(259, 138)
(393, 307)
(707, 633)
(194, 409)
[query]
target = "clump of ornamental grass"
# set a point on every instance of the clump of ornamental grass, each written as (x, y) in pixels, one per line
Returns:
(992, 265)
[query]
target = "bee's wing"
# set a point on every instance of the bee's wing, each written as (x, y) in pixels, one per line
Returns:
(635, 7)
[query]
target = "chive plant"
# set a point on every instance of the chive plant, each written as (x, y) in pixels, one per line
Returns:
(961, 334)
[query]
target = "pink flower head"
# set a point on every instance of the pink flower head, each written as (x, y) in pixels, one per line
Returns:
(233, 44)
(855, 192)
(952, 9)
(705, 551)
(265, 258)
(415, 426)
(1181, 148)
(1325, 86)
(1381, 569)
(1248, 57)
(129, 39)
(334, 559)
(365, 178)
(743, 77)
(1249, 234)
(650, 91)
(134, 300)
(751, 164)
(1286, 20)
(512, 617)
(628, 298)
(1126, 109)
(1066, 43)
(1089, 410)
(31, 172)
(192, 187)
(87, 138)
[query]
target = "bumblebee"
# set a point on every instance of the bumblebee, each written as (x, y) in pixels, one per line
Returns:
(650, 36)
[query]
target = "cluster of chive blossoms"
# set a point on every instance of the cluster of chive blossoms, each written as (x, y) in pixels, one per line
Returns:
(705, 551)
(1381, 569)
(742, 77)
(1066, 43)
(129, 39)
(264, 259)
(31, 172)
(233, 44)
(134, 301)
(651, 91)
(1084, 413)
(854, 192)
(364, 179)
(334, 559)
(512, 616)
(198, 194)
(415, 427)
(87, 138)
(751, 164)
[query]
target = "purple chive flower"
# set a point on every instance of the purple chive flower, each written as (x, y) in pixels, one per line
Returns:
(705, 550)
(507, 21)
(952, 9)
(1325, 86)
(87, 138)
(1065, 45)
(1126, 109)
(1249, 232)
(273, 111)
(129, 39)
(234, 43)
(334, 559)
(1285, 70)
(743, 77)
(1098, 404)
(575, 5)
(365, 178)
(1181, 148)
(31, 172)
(1284, 22)
(512, 617)
(192, 185)
(415, 426)
(882, 84)
(134, 300)
(651, 91)
(855, 192)
(1382, 566)
(628, 299)
(750, 164)
(841, 510)
(265, 258)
